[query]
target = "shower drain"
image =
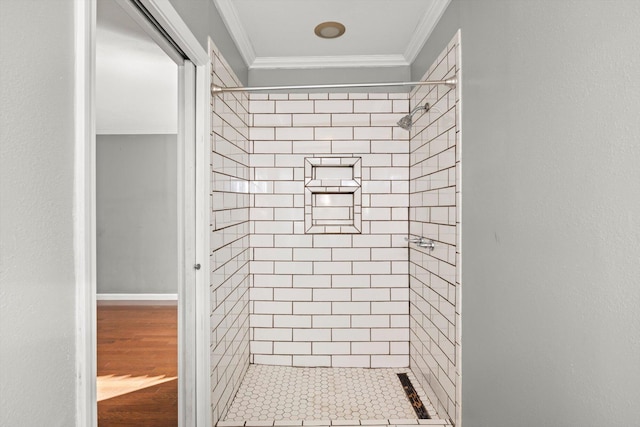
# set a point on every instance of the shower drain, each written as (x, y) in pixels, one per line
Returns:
(413, 397)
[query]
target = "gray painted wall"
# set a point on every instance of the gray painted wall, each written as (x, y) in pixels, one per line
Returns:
(551, 213)
(37, 284)
(284, 77)
(136, 217)
(203, 19)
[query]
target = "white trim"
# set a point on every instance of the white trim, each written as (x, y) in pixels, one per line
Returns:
(136, 297)
(231, 20)
(84, 211)
(203, 233)
(424, 29)
(186, 246)
(170, 21)
(138, 17)
(459, 206)
(342, 61)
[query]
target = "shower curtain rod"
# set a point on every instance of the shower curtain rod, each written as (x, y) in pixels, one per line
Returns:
(218, 89)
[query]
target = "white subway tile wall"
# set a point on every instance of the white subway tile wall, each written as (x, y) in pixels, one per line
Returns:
(434, 276)
(230, 241)
(329, 299)
(346, 297)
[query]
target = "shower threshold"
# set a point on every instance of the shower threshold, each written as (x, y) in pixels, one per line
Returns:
(283, 396)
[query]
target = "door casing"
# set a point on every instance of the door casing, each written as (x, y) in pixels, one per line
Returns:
(193, 190)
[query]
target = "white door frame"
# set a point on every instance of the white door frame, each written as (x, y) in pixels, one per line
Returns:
(194, 410)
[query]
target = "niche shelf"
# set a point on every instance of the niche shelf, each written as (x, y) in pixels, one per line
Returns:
(333, 195)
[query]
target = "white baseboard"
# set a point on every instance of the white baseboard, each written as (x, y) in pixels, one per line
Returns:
(141, 299)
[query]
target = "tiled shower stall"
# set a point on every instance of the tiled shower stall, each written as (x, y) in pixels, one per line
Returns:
(313, 196)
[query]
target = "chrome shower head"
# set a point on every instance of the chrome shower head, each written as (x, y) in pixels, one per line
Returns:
(407, 121)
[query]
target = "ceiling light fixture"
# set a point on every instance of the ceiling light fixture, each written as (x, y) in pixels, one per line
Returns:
(329, 30)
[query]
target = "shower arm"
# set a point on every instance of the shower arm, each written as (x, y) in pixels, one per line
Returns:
(452, 82)
(425, 107)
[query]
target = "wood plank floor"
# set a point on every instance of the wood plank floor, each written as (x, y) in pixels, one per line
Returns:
(139, 340)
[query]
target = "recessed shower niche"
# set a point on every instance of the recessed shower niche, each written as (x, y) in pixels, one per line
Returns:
(332, 197)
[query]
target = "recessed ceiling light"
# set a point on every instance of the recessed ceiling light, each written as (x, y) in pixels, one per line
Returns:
(329, 30)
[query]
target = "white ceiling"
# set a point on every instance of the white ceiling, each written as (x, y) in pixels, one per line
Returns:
(274, 34)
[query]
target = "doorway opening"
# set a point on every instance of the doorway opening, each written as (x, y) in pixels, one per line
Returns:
(116, 271)
(137, 229)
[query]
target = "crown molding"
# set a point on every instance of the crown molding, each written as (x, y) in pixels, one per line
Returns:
(424, 29)
(230, 17)
(342, 61)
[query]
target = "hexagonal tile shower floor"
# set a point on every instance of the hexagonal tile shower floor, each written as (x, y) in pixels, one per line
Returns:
(289, 396)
